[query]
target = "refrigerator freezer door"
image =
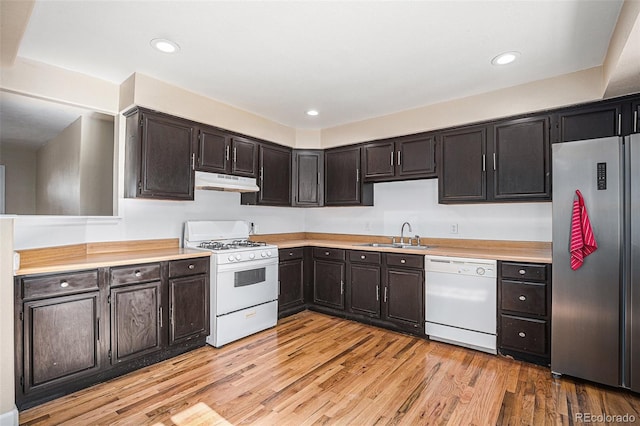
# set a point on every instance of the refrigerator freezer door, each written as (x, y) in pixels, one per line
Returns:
(633, 153)
(585, 336)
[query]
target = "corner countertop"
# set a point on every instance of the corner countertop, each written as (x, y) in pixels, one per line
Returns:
(98, 255)
(517, 251)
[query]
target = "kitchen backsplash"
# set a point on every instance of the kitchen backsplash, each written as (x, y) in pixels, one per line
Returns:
(395, 203)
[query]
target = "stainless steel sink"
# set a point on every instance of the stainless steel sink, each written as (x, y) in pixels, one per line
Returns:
(396, 245)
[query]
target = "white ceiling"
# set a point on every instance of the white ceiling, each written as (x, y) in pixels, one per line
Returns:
(350, 60)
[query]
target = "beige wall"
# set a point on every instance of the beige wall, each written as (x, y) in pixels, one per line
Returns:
(58, 173)
(8, 413)
(156, 94)
(559, 91)
(20, 177)
(96, 165)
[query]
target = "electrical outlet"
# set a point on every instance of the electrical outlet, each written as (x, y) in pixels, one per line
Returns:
(453, 229)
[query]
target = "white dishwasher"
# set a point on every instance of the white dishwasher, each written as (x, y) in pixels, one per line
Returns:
(460, 303)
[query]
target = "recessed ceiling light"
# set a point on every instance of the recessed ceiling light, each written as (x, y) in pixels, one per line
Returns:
(505, 58)
(164, 45)
(312, 112)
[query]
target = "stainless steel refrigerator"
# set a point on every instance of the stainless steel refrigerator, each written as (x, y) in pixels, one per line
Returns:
(595, 326)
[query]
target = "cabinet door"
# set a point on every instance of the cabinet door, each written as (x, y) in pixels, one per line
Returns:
(462, 165)
(214, 151)
(342, 176)
(416, 157)
(598, 121)
(403, 299)
(308, 182)
(328, 283)
(378, 161)
(245, 157)
(61, 337)
(291, 291)
(167, 150)
(136, 321)
(364, 289)
(520, 160)
(188, 308)
(275, 176)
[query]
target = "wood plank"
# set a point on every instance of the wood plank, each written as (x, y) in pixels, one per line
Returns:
(316, 369)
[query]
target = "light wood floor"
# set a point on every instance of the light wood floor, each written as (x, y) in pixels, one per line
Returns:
(316, 369)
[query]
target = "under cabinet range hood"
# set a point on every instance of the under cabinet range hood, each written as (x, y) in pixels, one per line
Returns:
(222, 182)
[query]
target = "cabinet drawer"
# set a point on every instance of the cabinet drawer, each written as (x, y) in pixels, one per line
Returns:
(371, 257)
(524, 271)
(405, 260)
(59, 284)
(523, 334)
(290, 254)
(135, 274)
(179, 268)
(528, 298)
(328, 253)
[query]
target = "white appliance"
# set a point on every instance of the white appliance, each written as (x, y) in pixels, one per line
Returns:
(244, 279)
(222, 182)
(461, 301)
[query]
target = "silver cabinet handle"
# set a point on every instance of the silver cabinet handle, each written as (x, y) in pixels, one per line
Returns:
(363, 257)
(357, 175)
(191, 266)
(290, 253)
(279, 288)
(484, 163)
(522, 272)
(494, 161)
(326, 253)
(392, 158)
(399, 158)
(523, 298)
(377, 293)
(193, 161)
(64, 284)
(385, 294)
(261, 174)
(137, 273)
(521, 334)
(403, 261)
(226, 153)
(635, 121)
(235, 154)
(619, 124)
(341, 287)
(160, 316)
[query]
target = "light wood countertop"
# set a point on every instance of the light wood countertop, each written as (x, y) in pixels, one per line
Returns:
(519, 251)
(97, 255)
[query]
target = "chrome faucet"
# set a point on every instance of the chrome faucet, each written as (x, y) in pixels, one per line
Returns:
(402, 232)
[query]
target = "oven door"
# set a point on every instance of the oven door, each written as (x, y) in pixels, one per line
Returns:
(242, 285)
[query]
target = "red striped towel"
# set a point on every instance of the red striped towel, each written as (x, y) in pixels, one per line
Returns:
(583, 243)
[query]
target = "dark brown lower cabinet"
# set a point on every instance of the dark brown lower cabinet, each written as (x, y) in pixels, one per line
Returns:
(363, 278)
(403, 298)
(61, 340)
(136, 321)
(329, 277)
(188, 300)
(291, 281)
(524, 311)
(68, 325)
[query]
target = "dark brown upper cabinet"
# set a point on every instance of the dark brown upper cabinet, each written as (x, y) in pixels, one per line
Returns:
(221, 152)
(342, 182)
(411, 157)
(500, 162)
(462, 165)
(308, 178)
(274, 178)
(520, 162)
(159, 156)
(590, 122)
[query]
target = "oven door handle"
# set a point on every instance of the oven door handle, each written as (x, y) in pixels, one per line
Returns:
(247, 266)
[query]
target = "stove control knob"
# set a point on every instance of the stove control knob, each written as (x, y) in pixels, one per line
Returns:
(480, 271)
(263, 254)
(251, 255)
(268, 253)
(238, 257)
(231, 259)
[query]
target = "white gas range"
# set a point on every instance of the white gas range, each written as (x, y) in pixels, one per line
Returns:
(244, 279)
